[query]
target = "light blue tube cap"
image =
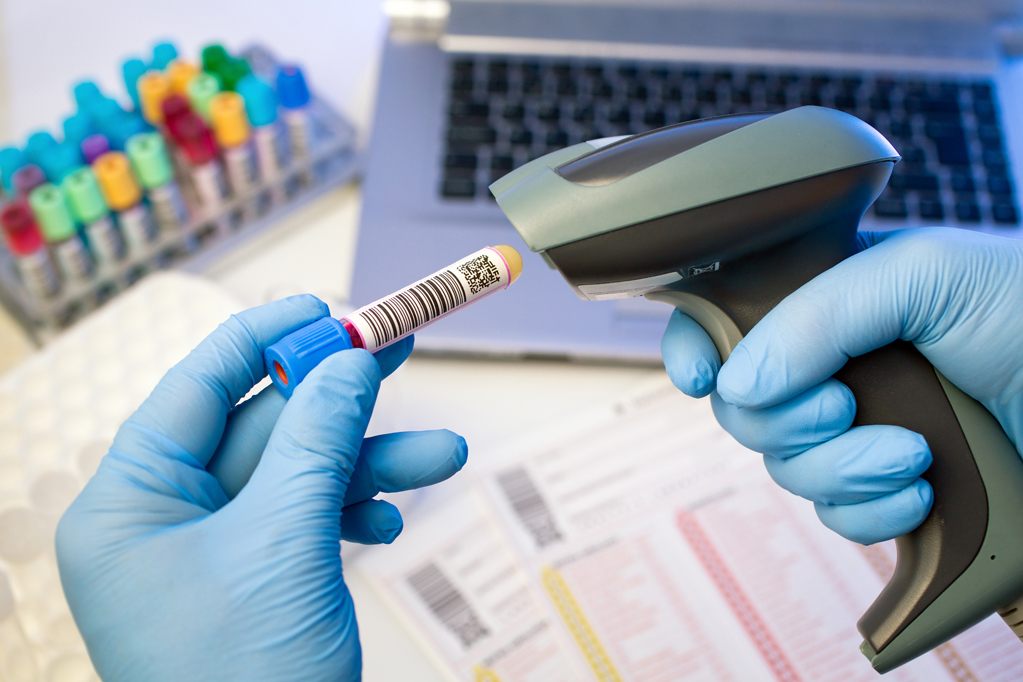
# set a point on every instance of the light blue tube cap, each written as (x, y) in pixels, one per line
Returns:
(131, 70)
(260, 100)
(164, 53)
(11, 159)
(60, 160)
(77, 127)
(85, 92)
(291, 359)
(38, 142)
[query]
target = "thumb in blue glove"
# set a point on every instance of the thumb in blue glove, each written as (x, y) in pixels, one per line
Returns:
(207, 544)
(956, 295)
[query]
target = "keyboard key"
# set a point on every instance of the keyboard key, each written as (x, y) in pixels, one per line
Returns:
(583, 114)
(953, 151)
(891, 208)
(472, 136)
(548, 111)
(914, 182)
(469, 109)
(1004, 213)
(458, 188)
(514, 112)
(913, 155)
(981, 90)
(619, 115)
(931, 210)
(654, 118)
(462, 85)
(963, 182)
(521, 136)
(502, 162)
(557, 139)
(638, 92)
(463, 161)
(497, 86)
(967, 212)
(994, 159)
(999, 185)
(985, 111)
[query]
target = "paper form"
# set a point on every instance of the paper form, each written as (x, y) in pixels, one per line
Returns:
(658, 549)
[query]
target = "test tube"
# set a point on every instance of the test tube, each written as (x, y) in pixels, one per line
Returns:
(232, 72)
(152, 165)
(94, 147)
(201, 92)
(85, 92)
(26, 244)
(267, 136)
(180, 73)
(54, 218)
(174, 108)
(164, 53)
(122, 194)
(294, 97)
(77, 127)
(88, 208)
(131, 70)
(26, 179)
(231, 128)
(393, 317)
(196, 143)
(154, 88)
(212, 56)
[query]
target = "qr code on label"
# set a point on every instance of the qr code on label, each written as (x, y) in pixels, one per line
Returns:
(480, 273)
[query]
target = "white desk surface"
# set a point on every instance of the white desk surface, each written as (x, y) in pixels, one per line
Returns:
(309, 251)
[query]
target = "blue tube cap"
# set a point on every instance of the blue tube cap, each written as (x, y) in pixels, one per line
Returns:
(260, 100)
(291, 87)
(164, 53)
(11, 159)
(131, 70)
(85, 92)
(292, 358)
(77, 127)
(60, 160)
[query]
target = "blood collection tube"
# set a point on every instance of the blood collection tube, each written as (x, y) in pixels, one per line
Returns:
(232, 72)
(154, 88)
(54, 218)
(37, 143)
(196, 143)
(293, 94)
(94, 147)
(26, 244)
(151, 162)
(86, 93)
(393, 317)
(122, 194)
(26, 179)
(231, 128)
(180, 73)
(212, 56)
(201, 92)
(77, 127)
(88, 208)
(174, 108)
(267, 135)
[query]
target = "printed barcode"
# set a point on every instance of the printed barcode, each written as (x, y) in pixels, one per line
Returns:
(417, 305)
(447, 603)
(527, 502)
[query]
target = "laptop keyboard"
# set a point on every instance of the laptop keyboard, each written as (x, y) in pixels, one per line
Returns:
(503, 112)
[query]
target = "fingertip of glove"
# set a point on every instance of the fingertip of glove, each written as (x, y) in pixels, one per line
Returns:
(390, 527)
(309, 302)
(737, 379)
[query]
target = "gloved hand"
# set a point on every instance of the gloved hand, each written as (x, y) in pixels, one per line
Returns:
(206, 547)
(957, 295)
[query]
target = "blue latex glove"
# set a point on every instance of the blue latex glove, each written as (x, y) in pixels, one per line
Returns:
(206, 547)
(957, 295)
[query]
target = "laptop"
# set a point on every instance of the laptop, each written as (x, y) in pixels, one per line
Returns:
(470, 89)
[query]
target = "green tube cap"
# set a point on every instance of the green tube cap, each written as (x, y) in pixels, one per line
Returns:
(201, 91)
(84, 197)
(149, 159)
(213, 56)
(52, 212)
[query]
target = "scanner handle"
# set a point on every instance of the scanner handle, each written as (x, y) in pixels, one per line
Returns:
(945, 579)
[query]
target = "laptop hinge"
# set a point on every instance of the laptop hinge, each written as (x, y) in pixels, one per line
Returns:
(896, 38)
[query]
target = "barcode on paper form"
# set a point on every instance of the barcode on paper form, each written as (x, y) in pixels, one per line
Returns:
(528, 504)
(406, 310)
(447, 603)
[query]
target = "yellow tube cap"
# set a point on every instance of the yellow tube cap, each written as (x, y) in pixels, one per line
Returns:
(119, 187)
(154, 88)
(227, 115)
(512, 258)
(180, 73)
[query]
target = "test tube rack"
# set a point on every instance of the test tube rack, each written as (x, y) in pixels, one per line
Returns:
(332, 161)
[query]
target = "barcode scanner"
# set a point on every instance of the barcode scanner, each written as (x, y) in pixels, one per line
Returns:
(722, 218)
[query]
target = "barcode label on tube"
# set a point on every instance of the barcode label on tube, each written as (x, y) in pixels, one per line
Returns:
(448, 604)
(389, 319)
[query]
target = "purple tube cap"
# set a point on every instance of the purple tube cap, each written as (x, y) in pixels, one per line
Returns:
(94, 146)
